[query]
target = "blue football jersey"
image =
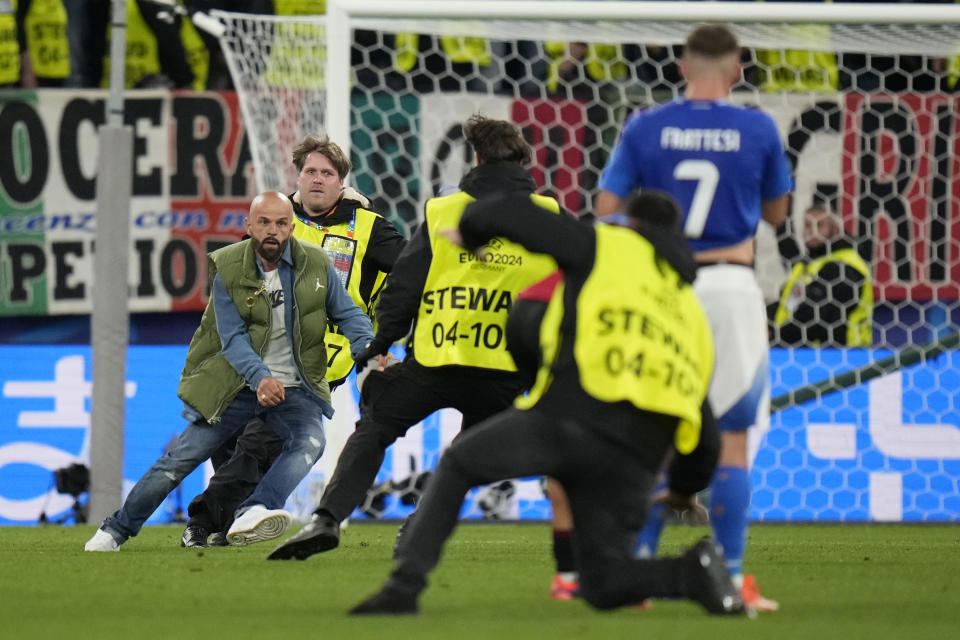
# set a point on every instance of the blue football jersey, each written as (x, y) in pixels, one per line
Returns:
(719, 160)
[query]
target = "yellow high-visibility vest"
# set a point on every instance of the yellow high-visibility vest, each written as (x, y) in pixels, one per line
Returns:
(860, 321)
(198, 56)
(603, 63)
(298, 52)
(643, 339)
(9, 48)
(346, 246)
(46, 31)
(457, 49)
(463, 310)
(143, 58)
(953, 68)
(800, 70)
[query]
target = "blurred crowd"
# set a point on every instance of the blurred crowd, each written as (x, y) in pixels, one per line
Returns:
(65, 43)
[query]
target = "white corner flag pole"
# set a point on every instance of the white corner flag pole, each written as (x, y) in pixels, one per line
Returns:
(110, 318)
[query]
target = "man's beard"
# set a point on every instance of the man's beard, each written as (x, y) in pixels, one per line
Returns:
(270, 253)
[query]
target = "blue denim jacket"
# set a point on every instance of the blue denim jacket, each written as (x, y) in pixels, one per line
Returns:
(235, 340)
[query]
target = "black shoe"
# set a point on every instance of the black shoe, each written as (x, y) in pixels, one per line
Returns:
(194, 536)
(321, 534)
(218, 539)
(388, 602)
(711, 583)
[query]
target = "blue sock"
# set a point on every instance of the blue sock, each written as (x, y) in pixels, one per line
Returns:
(649, 536)
(729, 503)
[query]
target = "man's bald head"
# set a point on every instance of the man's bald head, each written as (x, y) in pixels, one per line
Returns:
(269, 225)
(271, 200)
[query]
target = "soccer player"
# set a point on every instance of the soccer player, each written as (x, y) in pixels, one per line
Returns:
(726, 166)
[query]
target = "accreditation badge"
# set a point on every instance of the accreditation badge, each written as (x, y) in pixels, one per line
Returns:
(341, 251)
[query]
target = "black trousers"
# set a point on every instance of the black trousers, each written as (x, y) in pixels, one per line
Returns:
(609, 492)
(170, 50)
(394, 400)
(238, 470)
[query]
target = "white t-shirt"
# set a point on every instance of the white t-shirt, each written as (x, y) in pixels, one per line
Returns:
(278, 356)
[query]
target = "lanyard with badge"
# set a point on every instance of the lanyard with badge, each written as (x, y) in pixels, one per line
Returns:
(340, 249)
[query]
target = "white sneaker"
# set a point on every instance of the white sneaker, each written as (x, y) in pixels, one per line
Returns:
(258, 524)
(101, 541)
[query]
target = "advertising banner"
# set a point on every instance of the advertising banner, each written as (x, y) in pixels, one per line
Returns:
(192, 184)
(888, 450)
(887, 164)
(45, 426)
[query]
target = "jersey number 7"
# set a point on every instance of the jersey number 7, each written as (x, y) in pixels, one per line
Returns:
(707, 177)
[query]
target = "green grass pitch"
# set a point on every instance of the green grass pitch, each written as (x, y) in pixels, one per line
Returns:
(848, 581)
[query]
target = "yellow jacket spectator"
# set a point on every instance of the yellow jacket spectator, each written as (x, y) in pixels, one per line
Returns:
(9, 46)
(443, 63)
(572, 63)
(298, 53)
(798, 69)
(184, 60)
(42, 33)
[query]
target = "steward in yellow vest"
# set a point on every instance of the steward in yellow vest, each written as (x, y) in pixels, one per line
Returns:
(442, 63)
(581, 66)
(298, 52)
(362, 245)
(9, 46)
(160, 53)
(458, 305)
(628, 357)
(827, 299)
(800, 69)
(647, 346)
(463, 309)
(42, 31)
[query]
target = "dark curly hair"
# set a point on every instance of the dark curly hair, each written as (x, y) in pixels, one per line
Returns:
(496, 140)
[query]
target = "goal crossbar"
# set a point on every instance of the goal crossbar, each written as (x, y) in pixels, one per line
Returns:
(832, 13)
(436, 16)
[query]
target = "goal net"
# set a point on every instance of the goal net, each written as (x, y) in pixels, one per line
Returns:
(866, 101)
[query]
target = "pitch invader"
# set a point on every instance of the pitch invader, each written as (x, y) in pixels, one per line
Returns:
(726, 167)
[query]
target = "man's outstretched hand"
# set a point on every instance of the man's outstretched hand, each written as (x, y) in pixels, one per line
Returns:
(375, 349)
